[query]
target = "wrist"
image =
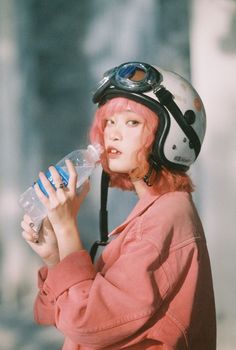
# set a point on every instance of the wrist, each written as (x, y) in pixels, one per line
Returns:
(69, 247)
(68, 240)
(66, 230)
(52, 261)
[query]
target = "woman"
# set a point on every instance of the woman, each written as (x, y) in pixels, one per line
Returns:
(152, 286)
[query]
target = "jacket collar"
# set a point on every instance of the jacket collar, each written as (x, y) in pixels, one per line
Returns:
(144, 202)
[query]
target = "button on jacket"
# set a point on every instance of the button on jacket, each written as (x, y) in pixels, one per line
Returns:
(150, 289)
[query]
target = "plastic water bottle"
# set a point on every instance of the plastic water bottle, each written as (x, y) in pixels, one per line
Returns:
(84, 160)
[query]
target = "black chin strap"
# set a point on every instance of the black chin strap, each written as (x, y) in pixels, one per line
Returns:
(103, 220)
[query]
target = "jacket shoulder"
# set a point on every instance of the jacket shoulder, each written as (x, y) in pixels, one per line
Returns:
(173, 218)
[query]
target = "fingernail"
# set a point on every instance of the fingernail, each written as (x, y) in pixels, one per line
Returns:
(36, 237)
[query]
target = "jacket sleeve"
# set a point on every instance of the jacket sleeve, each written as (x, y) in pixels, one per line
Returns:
(44, 306)
(95, 309)
(61, 277)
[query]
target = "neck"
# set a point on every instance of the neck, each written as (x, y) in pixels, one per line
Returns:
(141, 187)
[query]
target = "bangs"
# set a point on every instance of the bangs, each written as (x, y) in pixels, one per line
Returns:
(121, 104)
(118, 105)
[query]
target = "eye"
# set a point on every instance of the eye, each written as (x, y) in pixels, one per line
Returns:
(133, 122)
(109, 122)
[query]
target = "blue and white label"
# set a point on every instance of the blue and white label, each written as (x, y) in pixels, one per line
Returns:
(64, 178)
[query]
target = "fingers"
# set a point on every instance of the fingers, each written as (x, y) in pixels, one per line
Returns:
(28, 230)
(27, 219)
(30, 238)
(56, 178)
(47, 186)
(72, 176)
(60, 191)
(53, 194)
(85, 189)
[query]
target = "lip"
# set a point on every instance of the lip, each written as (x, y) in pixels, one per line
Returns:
(113, 152)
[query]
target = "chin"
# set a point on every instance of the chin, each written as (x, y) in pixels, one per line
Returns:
(118, 170)
(121, 166)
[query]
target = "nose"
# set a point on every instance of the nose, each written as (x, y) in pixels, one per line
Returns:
(115, 134)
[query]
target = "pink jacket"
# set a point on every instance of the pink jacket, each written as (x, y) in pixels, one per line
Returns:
(151, 288)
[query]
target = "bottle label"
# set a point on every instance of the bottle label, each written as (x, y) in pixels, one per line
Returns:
(64, 178)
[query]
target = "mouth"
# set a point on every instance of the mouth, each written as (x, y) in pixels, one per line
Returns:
(113, 152)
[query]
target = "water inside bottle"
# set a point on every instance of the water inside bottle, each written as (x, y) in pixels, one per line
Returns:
(31, 204)
(83, 171)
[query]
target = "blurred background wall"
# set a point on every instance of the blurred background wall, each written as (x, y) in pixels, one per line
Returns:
(52, 53)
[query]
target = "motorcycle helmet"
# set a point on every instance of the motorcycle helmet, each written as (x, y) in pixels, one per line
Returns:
(182, 118)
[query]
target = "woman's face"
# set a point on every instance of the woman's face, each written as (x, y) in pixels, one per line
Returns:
(124, 136)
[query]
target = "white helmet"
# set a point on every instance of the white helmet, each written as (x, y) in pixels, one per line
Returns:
(182, 118)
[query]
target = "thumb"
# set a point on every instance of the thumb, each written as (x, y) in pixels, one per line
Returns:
(85, 189)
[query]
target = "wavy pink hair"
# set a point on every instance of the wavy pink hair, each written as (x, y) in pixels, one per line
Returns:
(163, 180)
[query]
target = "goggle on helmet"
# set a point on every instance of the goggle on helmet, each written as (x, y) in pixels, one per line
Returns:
(182, 119)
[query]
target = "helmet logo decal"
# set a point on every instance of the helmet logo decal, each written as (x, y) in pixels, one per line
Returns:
(181, 159)
(197, 104)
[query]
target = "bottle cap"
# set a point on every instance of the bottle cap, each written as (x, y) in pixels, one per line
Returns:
(95, 150)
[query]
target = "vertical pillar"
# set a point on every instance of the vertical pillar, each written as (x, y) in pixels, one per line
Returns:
(213, 61)
(12, 254)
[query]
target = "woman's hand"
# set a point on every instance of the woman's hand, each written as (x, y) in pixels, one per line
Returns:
(43, 243)
(62, 207)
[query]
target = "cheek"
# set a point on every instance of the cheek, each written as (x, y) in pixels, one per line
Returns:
(140, 148)
(136, 154)
(105, 136)
(138, 141)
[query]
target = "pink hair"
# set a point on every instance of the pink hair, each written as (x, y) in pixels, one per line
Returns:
(163, 180)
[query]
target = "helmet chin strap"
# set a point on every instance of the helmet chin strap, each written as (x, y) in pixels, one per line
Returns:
(103, 214)
(103, 217)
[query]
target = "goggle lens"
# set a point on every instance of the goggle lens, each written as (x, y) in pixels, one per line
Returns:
(132, 76)
(132, 73)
